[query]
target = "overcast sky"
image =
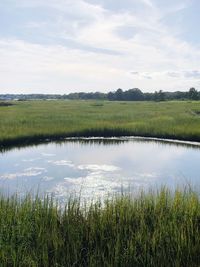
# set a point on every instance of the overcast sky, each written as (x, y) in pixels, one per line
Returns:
(62, 46)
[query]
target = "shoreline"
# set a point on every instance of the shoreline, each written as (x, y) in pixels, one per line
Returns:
(44, 139)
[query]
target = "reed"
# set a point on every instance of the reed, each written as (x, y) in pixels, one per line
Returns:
(153, 229)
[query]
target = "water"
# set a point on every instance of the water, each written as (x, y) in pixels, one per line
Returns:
(98, 168)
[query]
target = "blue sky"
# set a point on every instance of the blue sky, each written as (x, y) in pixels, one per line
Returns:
(62, 46)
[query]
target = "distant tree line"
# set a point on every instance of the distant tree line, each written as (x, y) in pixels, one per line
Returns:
(134, 94)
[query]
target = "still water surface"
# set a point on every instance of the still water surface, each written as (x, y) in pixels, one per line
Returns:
(96, 168)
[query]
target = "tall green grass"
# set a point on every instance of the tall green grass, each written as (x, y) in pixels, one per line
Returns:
(154, 229)
(31, 121)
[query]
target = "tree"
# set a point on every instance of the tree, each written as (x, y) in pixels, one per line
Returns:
(134, 94)
(119, 94)
(161, 95)
(193, 94)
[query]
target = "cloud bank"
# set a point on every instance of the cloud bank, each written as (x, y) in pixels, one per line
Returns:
(62, 46)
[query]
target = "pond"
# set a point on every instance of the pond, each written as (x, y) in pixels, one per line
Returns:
(95, 168)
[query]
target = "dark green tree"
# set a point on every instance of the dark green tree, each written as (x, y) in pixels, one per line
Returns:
(119, 94)
(193, 94)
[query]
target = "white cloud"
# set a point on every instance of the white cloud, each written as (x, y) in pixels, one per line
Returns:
(67, 163)
(102, 168)
(180, 74)
(29, 172)
(87, 51)
(48, 178)
(148, 3)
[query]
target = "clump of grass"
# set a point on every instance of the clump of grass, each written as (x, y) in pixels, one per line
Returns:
(5, 104)
(197, 112)
(154, 229)
(97, 104)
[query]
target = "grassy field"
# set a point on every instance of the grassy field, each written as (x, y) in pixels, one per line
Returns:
(26, 122)
(151, 230)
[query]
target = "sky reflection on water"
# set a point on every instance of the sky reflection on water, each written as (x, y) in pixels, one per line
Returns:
(96, 168)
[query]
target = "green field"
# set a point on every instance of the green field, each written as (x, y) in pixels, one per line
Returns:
(156, 229)
(29, 121)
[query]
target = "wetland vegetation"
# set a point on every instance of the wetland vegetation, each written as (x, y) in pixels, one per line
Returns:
(30, 121)
(154, 229)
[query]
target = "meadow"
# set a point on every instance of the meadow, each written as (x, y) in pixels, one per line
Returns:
(152, 229)
(30, 121)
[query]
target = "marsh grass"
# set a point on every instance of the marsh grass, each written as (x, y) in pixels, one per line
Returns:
(32, 121)
(153, 229)
(5, 104)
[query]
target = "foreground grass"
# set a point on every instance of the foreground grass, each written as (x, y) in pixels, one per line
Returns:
(26, 122)
(160, 229)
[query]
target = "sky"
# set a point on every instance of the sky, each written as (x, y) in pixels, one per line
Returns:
(63, 46)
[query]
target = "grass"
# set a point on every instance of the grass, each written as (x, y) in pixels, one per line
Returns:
(31, 121)
(153, 229)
